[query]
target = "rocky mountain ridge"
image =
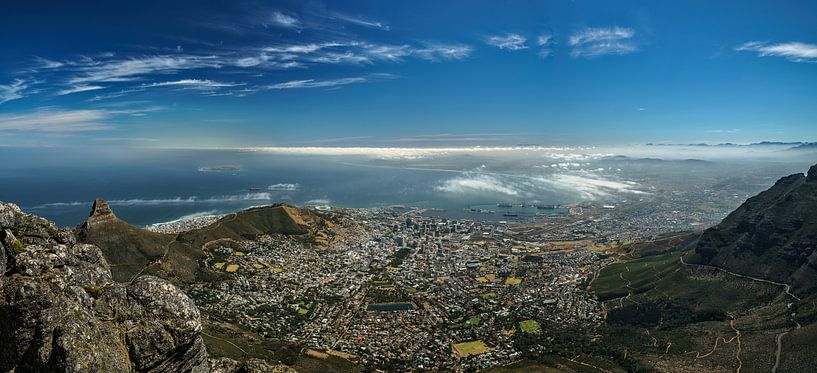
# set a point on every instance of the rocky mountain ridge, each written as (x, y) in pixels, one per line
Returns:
(62, 311)
(772, 235)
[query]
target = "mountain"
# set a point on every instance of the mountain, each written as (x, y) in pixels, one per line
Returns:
(740, 296)
(127, 248)
(62, 311)
(771, 236)
(132, 250)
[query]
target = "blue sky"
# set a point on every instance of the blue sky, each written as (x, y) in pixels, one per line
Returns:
(199, 74)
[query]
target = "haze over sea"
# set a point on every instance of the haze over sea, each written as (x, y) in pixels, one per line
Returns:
(161, 185)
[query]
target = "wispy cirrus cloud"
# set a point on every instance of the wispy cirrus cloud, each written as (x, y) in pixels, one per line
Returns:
(79, 88)
(361, 21)
(134, 68)
(13, 90)
(53, 120)
(200, 84)
(331, 83)
(443, 52)
(124, 73)
(793, 51)
(544, 41)
(598, 41)
(510, 42)
(58, 120)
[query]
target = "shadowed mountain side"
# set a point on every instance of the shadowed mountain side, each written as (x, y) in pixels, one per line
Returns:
(132, 250)
(771, 236)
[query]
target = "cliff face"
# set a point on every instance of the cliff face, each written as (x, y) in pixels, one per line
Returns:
(61, 311)
(772, 235)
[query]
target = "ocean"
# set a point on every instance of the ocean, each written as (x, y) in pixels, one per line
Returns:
(148, 186)
(163, 185)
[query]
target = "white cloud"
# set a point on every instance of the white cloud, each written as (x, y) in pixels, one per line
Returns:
(544, 41)
(583, 185)
(360, 21)
(793, 51)
(45, 63)
(280, 19)
(393, 53)
(204, 84)
(591, 186)
(511, 42)
(594, 42)
(85, 73)
(477, 184)
(312, 83)
(55, 120)
(79, 88)
(443, 52)
(126, 70)
(284, 187)
(13, 91)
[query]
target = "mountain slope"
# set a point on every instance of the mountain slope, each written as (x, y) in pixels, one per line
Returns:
(772, 235)
(132, 250)
(127, 248)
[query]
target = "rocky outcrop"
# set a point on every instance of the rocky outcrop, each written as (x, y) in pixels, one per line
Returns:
(100, 213)
(224, 365)
(61, 310)
(772, 235)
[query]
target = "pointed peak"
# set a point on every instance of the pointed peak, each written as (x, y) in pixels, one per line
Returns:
(100, 213)
(101, 208)
(812, 173)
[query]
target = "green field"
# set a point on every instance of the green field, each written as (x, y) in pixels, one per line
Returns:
(471, 348)
(474, 321)
(529, 326)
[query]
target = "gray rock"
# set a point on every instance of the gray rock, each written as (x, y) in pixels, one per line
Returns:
(10, 215)
(61, 310)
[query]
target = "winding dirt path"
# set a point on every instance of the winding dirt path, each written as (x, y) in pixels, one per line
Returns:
(786, 289)
(718, 339)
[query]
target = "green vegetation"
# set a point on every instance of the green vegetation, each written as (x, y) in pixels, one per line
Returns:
(399, 256)
(530, 326)
(17, 247)
(489, 295)
(635, 276)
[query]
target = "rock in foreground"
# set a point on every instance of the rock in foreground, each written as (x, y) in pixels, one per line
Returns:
(60, 309)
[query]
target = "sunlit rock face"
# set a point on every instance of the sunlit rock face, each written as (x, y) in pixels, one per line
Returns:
(60, 309)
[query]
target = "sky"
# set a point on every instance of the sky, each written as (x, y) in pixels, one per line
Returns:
(413, 73)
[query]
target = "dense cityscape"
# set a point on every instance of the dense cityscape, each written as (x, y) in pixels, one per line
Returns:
(405, 290)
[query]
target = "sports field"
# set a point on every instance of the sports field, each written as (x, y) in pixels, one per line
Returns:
(471, 348)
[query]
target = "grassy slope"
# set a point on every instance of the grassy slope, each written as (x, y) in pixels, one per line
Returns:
(129, 249)
(687, 308)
